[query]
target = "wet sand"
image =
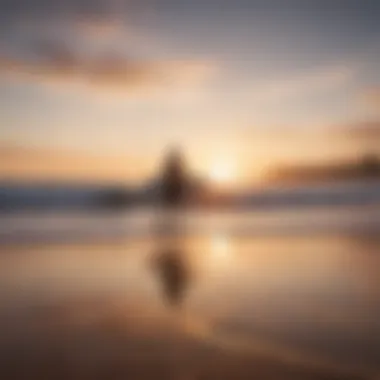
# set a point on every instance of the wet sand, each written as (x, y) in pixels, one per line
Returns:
(104, 311)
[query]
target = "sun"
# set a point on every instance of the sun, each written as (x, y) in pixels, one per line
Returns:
(222, 172)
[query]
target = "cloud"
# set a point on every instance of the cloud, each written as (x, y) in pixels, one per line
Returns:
(91, 44)
(19, 18)
(100, 27)
(29, 163)
(98, 18)
(369, 130)
(316, 81)
(53, 63)
(372, 97)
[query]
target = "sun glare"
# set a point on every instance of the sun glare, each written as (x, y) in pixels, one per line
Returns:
(222, 172)
(221, 250)
(220, 246)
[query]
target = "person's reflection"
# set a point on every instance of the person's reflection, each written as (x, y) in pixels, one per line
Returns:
(173, 272)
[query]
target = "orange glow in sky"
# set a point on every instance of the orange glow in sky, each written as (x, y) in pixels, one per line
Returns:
(240, 87)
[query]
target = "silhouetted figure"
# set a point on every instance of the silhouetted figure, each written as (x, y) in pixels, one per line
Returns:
(173, 272)
(174, 181)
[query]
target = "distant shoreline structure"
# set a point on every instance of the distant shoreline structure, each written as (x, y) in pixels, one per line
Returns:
(365, 168)
(174, 186)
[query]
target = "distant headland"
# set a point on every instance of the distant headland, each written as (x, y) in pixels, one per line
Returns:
(366, 167)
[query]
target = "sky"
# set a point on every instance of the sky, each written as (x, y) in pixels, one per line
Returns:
(99, 89)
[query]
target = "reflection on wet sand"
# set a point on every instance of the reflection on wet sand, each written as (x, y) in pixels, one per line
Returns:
(173, 272)
(250, 314)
